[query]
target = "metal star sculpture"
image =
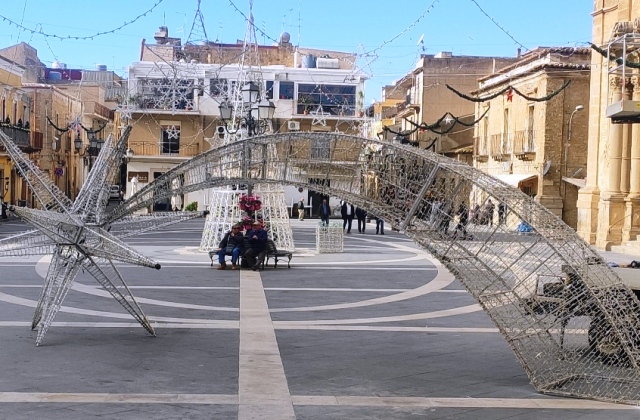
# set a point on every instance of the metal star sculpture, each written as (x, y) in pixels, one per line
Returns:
(79, 234)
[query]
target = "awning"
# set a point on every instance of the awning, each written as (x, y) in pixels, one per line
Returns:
(514, 179)
(575, 181)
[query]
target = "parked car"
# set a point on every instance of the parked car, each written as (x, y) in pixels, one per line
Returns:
(114, 192)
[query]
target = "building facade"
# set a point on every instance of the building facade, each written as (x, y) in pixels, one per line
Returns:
(534, 134)
(175, 91)
(17, 123)
(426, 99)
(609, 203)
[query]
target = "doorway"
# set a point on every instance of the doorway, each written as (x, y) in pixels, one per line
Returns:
(314, 197)
(161, 205)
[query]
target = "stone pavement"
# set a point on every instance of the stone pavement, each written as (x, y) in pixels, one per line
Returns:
(380, 331)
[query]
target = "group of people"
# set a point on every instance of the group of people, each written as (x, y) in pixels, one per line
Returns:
(252, 247)
(484, 215)
(349, 212)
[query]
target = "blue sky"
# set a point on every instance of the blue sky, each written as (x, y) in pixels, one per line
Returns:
(387, 31)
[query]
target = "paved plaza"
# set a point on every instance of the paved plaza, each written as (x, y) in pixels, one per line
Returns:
(380, 331)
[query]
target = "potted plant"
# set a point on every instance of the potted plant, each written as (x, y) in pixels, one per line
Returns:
(306, 101)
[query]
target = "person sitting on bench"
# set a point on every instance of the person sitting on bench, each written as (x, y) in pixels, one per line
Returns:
(258, 241)
(231, 244)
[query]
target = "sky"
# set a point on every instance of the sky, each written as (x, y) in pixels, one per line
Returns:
(388, 36)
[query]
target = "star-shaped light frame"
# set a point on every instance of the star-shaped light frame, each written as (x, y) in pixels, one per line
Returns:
(80, 234)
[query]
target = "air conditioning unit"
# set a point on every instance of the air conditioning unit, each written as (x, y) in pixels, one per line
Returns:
(327, 63)
(220, 130)
(293, 125)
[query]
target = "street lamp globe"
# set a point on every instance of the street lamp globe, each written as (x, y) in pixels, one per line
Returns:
(266, 109)
(93, 142)
(250, 92)
(225, 110)
(77, 144)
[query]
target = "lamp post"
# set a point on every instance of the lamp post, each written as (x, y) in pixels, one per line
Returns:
(567, 143)
(126, 158)
(95, 145)
(258, 113)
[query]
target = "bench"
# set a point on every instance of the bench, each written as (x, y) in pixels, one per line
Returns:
(273, 252)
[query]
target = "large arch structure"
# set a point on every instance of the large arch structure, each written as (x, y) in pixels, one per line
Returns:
(568, 318)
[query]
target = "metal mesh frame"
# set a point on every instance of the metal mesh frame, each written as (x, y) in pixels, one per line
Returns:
(77, 235)
(567, 316)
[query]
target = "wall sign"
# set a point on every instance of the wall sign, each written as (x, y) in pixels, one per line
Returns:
(142, 176)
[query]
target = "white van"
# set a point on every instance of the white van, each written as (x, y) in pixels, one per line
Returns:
(114, 192)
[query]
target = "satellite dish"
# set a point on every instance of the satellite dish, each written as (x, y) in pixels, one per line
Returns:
(420, 39)
(547, 166)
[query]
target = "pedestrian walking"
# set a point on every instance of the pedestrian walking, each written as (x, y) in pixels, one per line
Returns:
(301, 209)
(347, 211)
(502, 213)
(325, 212)
(361, 215)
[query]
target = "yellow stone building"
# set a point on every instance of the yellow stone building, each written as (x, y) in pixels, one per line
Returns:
(16, 122)
(609, 204)
(531, 143)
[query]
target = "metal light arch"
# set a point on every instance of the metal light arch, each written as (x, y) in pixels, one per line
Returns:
(579, 340)
(568, 318)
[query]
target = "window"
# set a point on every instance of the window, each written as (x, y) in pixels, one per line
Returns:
(334, 99)
(269, 89)
(169, 94)
(320, 149)
(286, 90)
(506, 143)
(170, 139)
(219, 88)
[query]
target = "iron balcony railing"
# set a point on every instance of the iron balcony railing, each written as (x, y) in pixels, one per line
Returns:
(22, 137)
(524, 142)
(164, 149)
(480, 146)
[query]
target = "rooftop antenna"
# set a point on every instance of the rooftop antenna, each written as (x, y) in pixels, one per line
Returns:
(198, 32)
(299, 21)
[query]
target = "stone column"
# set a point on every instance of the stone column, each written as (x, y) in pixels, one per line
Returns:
(611, 207)
(631, 226)
(625, 165)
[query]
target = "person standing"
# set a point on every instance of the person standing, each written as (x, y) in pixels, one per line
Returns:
(231, 244)
(301, 209)
(347, 211)
(489, 208)
(502, 213)
(463, 220)
(379, 225)
(258, 246)
(361, 215)
(325, 211)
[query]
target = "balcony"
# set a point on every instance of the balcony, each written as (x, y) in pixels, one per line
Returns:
(500, 146)
(524, 144)
(22, 138)
(163, 105)
(151, 149)
(480, 149)
(98, 110)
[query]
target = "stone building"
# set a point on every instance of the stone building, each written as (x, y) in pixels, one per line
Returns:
(609, 204)
(16, 123)
(175, 91)
(426, 98)
(538, 146)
